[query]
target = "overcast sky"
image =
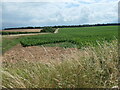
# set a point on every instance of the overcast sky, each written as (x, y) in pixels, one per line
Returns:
(19, 13)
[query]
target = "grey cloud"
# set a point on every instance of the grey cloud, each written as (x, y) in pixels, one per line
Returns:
(54, 13)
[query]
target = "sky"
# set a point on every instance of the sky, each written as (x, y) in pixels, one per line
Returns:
(23, 13)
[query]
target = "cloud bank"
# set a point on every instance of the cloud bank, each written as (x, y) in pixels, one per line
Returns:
(68, 12)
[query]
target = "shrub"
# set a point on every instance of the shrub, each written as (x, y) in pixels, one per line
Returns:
(48, 29)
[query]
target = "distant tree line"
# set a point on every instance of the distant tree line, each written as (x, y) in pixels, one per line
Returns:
(24, 28)
(11, 33)
(66, 26)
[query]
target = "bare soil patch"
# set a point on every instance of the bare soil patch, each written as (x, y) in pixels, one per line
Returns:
(37, 53)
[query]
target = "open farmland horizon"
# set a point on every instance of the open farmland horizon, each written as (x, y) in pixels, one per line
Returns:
(70, 55)
(60, 44)
(61, 26)
(69, 37)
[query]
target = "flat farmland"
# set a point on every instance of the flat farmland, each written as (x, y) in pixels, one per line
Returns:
(84, 57)
(81, 36)
(66, 37)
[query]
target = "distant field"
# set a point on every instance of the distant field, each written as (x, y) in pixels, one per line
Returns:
(82, 36)
(23, 30)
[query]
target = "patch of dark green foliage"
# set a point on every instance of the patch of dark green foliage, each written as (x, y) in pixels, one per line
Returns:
(48, 29)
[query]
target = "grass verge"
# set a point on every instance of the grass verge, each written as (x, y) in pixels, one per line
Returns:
(97, 68)
(8, 43)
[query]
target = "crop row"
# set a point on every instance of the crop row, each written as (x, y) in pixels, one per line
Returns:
(76, 41)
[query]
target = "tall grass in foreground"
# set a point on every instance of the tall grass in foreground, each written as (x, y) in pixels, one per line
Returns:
(96, 68)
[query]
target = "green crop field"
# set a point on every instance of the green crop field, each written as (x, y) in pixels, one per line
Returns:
(66, 37)
(82, 36)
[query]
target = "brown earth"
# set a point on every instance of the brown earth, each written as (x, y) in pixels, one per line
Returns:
(37, 53)
(23, 30)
